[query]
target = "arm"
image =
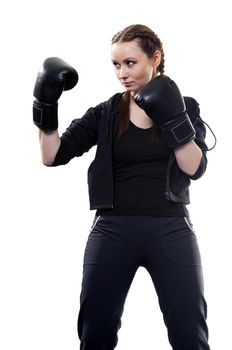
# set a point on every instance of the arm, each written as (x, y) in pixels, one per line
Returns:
(78, 138)
(180, 123)
(188, 157)
(49, 145)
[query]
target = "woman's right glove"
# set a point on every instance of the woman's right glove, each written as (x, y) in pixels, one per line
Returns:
(54, 77)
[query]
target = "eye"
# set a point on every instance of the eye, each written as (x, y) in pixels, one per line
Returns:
(130, 63)
(116, 65)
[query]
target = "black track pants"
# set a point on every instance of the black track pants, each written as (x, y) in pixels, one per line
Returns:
(167, 248)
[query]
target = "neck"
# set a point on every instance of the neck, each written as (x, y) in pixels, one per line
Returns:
(132, 95)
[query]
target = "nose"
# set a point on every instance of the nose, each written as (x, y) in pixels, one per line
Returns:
(123, 73)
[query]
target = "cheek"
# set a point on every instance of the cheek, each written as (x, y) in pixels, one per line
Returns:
(149, 71)
(147, 76)
(144, 72)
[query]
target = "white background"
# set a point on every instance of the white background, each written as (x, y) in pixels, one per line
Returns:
(45, 216)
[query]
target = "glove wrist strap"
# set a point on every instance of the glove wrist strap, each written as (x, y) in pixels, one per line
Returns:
(178, 131)
(45, 116)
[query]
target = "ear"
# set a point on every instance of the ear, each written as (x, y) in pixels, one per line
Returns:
(156, 58)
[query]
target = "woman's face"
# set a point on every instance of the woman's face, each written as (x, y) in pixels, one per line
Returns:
(132, 66)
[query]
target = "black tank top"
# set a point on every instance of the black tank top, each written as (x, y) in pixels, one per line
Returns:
(139, 168)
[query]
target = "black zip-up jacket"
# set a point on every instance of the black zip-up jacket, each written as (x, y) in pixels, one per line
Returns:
(98, 126)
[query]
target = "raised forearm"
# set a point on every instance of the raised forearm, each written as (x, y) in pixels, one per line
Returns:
(49, 145)
(188, 157)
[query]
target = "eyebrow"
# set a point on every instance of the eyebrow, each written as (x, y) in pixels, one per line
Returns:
(127, 59)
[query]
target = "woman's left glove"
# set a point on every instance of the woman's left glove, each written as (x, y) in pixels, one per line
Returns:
(163, 103)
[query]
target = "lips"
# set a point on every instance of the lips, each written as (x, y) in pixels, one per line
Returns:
(128, 83)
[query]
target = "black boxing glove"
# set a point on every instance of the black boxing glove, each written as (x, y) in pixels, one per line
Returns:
(163, 103)
(54, 77)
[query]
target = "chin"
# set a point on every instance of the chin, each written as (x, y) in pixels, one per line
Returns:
(132, 90)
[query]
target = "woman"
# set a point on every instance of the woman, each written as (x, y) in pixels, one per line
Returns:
(150, 145)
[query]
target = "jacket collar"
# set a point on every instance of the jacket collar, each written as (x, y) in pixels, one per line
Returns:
(113, 109)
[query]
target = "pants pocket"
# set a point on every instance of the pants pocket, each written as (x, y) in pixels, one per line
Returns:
(189, 223)
(104, 241)
(95, 220)
(179, 242)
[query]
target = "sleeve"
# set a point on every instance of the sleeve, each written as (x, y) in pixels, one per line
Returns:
(80, 136)
(193, 110)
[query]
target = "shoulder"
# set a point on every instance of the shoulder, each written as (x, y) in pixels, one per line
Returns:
(193, 110)
(191, 104)
(111, 99)
(101, 108)
(192, 107)
(114, 99)
(104, 105)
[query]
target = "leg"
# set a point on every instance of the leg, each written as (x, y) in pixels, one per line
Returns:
(107, 277)
(178, 280)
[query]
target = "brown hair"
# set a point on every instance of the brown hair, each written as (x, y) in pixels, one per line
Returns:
(149, 42)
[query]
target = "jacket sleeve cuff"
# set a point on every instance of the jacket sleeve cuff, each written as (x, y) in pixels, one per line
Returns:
(201, 169)
(62, 156)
